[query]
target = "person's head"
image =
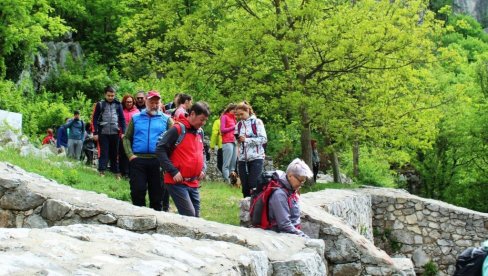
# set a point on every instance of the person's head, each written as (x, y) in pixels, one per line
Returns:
(230, 108)
(153, 102)
(313, 143)
(175, 98)
(243, 111)
(128, 102)
(140, 98)
(198, 114)
(184, 99)
(76, 114)
(109, 94)
(297, 173)
(49, 131)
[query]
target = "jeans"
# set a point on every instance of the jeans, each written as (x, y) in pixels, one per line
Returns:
(186, 199)
(109, 147)
(145, 176)
(74, 148)
(229, 156)
(249, 173)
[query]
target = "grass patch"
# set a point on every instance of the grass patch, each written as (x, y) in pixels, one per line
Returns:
(219, 201)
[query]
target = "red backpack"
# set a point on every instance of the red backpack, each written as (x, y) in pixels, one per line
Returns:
(259, 209)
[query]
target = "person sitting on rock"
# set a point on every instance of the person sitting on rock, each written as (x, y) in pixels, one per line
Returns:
(284, 208)
(49, 139)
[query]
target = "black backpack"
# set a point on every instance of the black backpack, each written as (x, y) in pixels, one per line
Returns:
(263, 180)
(470, 262)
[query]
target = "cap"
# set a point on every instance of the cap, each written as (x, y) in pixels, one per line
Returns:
(153, 94)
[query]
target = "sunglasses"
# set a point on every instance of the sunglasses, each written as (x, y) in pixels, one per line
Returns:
(140, 98)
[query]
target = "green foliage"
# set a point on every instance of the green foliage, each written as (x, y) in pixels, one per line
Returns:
(81, 76)
(375, 168)
(386, 236)
(24, 26)
(430, 269)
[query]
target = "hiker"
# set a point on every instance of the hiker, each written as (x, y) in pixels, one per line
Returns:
(284, 208)
(229, 147)
(140, 141)
(171, 106)
(315, 159)
(181, 154)
(62, 137)
(129, 109)
(184, 103)
(89, 146)
(76, 135)
(109, 127)
(251, 139)
(49, 139)
(216, 143)
(140, 100)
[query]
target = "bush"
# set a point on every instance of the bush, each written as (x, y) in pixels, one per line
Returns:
(374, 168)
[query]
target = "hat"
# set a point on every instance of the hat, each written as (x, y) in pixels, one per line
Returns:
(153, 94)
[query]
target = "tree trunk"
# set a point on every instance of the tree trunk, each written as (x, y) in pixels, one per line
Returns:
(355, 159)
(334, 160)
(305, 139)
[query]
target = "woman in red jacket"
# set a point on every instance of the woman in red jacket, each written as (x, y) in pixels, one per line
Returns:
(229, 146)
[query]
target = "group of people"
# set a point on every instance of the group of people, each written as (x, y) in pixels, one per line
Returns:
(160, 148)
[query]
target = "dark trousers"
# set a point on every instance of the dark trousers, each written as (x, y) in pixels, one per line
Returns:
(145, 176)
(186, 199)
(220, 159)
(165, 198)
(315, 171)
(249, 173)
(123, 160)
(109, 147)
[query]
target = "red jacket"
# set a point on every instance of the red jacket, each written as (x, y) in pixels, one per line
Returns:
(227, 127)
(186, 157)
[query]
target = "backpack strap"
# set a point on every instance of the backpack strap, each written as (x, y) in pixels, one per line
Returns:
(181, 129)
(254, 128)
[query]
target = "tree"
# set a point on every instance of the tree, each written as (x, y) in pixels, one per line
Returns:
(24, 26)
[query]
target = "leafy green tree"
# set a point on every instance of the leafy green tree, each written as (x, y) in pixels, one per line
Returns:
(25, 24)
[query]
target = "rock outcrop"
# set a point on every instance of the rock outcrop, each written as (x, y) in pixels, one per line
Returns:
(476, 8)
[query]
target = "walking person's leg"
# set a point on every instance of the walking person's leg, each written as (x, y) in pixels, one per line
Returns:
(254, 169)
(138, 182)
(77, 147)
(195, 199)
(227, 153)
(113, 153)
(220, 159)
(181, 198)
(70, 152)
(242, 166)
(103, 160)
(233, 159)
(155, 188)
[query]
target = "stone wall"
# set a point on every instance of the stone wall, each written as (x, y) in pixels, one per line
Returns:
(31, 201)
(424, 229)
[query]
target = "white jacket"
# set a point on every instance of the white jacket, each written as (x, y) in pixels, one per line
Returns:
(252, 148)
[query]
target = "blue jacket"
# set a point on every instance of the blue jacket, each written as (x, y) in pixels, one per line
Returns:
(61, 137)
(76, 129)
(147, 130)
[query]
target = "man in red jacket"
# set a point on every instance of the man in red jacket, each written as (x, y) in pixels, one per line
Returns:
(181, 154)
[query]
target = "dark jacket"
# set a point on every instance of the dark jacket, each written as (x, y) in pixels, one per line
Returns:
(111, 121)
(284, 209)
(61, 137)
(186, 158)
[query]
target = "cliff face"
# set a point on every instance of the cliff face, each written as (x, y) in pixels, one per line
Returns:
(476, 8)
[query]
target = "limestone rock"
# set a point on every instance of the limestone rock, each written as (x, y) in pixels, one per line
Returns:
(54, 210)
(137, 223)
(21, 199)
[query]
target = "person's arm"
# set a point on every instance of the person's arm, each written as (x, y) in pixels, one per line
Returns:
(164, 149)
(96, 114)
(261, 137)
(278, 206)
(215, 134)
(223, 121)
(127, 140)
(122, 124)
(58, 137)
